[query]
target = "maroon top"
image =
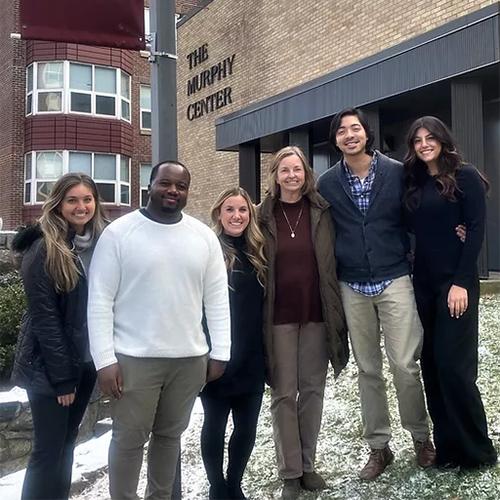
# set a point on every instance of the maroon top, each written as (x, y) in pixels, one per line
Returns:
(297, 298)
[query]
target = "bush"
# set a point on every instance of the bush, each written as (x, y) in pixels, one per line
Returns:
(12, 305)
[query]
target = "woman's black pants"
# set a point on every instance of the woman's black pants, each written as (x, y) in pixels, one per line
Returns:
(48, 475)
(449, 369)
(245, 411)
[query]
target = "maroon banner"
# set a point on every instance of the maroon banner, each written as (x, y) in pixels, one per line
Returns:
(108, 23)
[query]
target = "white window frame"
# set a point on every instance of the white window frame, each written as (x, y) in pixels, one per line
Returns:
(66, 92)
(31, 179)
(141, 109)
(141, 186)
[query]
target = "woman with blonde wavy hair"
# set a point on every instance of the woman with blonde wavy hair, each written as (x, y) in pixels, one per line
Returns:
(304, 324)
(52, 360)
(241, 387)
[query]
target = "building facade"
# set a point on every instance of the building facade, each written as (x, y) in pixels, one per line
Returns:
(255, 76)
(251, 78)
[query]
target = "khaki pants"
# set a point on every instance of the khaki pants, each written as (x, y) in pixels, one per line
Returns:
(394, 311)
(301, 362)
(158, 396)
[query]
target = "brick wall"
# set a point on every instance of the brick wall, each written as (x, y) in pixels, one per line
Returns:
(279, 45)
(12, 76)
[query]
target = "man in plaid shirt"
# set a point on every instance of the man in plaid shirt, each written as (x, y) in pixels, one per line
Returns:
(365, 190)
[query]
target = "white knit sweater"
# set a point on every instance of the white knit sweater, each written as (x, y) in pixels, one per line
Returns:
(148, 284)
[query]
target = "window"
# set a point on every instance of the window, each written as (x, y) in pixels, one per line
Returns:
(145, 107)
(145, 175)
(67, 87)
(110, 172)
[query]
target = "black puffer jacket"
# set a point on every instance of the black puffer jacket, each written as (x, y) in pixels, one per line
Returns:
(53, 336)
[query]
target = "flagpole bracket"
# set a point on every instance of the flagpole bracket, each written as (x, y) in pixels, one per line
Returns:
(153, 53)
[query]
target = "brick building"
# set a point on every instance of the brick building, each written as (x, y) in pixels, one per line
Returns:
(255, 76)
(70, 107)
(252, 77)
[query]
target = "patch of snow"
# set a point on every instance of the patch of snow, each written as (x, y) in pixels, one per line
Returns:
(15, 394)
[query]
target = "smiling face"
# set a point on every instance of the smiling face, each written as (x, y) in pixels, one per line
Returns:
(168, 191)
(427, 148)
(78, 207)
(234, 215)
(291, 177)
(351, 136)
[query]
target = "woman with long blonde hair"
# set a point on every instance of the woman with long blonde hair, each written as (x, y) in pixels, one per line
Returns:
(52, 360)
(240, 389)
(304, 324)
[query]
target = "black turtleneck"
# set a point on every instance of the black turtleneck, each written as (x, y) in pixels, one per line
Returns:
(244, 372)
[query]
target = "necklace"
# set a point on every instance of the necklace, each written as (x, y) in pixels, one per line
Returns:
(292, 230)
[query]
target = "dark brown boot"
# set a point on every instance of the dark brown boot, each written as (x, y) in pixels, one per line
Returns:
(425, 453)
(377, 462)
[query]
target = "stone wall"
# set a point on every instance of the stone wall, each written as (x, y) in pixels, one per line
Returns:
(16, 431)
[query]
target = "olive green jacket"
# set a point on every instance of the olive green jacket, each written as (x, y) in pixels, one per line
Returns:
(323, 238)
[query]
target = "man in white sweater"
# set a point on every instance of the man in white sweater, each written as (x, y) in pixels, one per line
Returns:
(152, 274)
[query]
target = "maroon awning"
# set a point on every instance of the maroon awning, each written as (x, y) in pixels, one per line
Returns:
(108, 23)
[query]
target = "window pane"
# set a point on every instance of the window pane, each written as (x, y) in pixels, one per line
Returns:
(106, 192)
(105, 167)
(29, 104)
(104, 105)
(81, 102)
(125, 110)
(50, 75)
(146, 119)
(144, 197)
(48, 165)
(124, 194)
(49, 101)
(80, 77)
(105, 80)
(27, 192)
(145, 175)
(80, 162)
(145, 97)
(29, 79)
(27, 166)
(43, 190)
(125, 82)
(124, 169)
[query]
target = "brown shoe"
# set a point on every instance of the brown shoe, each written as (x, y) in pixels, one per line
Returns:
(425, 452)
(312, 481)
(291, 489)
(377, 462)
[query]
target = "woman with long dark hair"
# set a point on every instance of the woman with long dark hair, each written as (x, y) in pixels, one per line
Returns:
(304, 325)
(53, 360)
(239, 391)
(441, 192)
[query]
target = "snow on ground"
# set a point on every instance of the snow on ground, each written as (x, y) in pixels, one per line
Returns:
(15, 394)
(341, 451)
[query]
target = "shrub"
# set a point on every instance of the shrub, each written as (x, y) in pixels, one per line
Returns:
(12, 304)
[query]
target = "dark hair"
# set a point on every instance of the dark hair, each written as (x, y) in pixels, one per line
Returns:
(449, 161)
(335, 125)
(154, 170)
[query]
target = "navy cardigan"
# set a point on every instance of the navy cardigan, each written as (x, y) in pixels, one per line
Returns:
(371, 247)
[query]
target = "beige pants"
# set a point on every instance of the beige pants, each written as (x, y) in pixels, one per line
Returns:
(158, 396)
(394, 311)
(301, 362)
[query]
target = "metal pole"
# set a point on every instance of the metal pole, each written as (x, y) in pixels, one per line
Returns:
(164, 107)
(163, 81)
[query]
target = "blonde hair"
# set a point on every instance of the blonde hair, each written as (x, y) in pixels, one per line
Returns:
(60, 262)
(273, 188)
(253, 235)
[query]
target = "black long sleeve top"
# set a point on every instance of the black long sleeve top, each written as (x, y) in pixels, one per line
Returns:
(244, 372)
(440, 256)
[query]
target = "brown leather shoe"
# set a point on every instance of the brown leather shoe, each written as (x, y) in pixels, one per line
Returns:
(425, 452)
(377, 462)
(312, 481)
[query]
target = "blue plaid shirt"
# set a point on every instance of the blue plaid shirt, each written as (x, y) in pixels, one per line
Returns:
(361, 191)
